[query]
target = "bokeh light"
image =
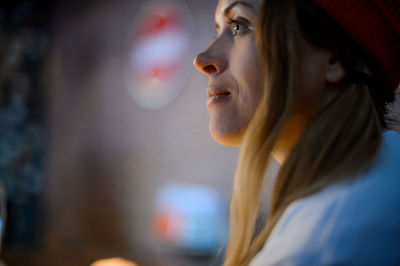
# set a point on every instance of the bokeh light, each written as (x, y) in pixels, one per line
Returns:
(192, 218)
(113, 262)
(157, 54)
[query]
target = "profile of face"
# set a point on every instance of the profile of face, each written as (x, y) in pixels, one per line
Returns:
(232, 66)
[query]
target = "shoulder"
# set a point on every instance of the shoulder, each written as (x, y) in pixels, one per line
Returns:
(381, 183)
(351, 222)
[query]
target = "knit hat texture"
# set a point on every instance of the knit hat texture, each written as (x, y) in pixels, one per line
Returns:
(375, 26)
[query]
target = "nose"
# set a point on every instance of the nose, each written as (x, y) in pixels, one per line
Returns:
(209, 63)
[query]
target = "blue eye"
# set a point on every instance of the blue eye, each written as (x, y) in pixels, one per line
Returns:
(237, 27)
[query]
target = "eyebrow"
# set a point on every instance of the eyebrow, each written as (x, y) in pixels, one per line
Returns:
(228, 9)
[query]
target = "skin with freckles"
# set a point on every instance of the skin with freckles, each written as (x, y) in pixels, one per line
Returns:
(231, 63)
(235, 81)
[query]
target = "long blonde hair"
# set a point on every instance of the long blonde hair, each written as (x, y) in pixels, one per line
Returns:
(337, 143)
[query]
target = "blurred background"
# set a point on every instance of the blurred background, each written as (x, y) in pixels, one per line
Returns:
(104, 143)
(104, 147)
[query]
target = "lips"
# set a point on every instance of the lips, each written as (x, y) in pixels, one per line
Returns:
(217, 96)
(214, 92)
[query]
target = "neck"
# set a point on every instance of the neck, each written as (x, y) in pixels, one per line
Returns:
(289, 137)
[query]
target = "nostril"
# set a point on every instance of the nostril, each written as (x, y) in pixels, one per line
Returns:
(209, 69)
(209, 64)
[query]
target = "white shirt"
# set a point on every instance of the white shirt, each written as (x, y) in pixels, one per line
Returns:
(356, 222)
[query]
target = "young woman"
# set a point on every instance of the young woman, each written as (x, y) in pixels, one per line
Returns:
(306, 82)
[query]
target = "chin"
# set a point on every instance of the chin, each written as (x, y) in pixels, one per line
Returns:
(227, 138)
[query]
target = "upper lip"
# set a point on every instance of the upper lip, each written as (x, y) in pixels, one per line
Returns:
(213, 91)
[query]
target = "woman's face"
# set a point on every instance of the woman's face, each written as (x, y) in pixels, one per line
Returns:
(231, 64)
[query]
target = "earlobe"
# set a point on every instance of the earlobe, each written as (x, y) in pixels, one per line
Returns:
(335, 71)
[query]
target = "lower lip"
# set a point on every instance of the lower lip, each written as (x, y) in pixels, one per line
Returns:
(218, 99)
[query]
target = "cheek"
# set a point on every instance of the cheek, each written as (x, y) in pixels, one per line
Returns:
(246, 72)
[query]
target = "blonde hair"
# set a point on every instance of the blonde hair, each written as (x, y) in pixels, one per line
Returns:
(337, 143)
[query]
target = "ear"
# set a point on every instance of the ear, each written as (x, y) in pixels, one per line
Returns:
(335, 71)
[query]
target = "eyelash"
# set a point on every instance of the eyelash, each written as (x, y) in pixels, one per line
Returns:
(233, 23)
(236, 27)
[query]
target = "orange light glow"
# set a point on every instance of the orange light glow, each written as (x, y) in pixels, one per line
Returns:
(113, 262)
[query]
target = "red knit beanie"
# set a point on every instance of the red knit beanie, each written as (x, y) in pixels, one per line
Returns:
(375, 26)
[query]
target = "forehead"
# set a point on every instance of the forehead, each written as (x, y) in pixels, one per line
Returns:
(224, 4)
